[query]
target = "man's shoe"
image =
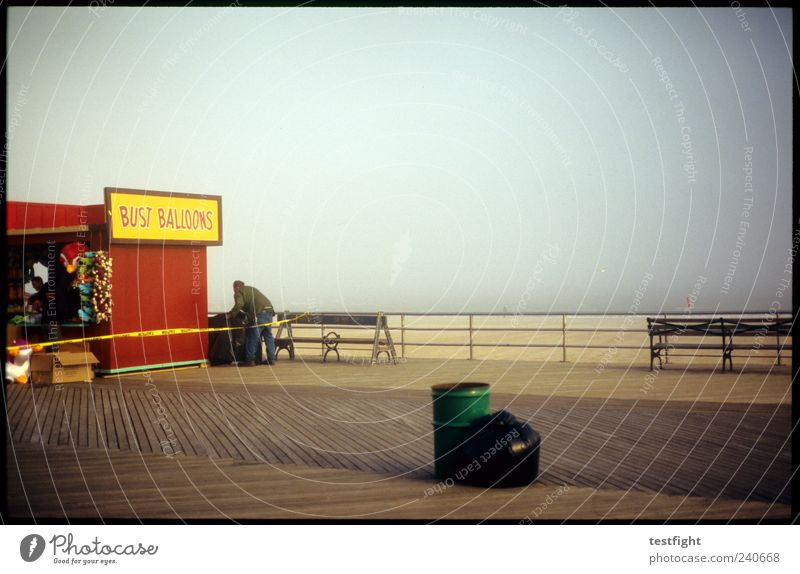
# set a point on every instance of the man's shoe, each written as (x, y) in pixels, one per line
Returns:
(247, 364)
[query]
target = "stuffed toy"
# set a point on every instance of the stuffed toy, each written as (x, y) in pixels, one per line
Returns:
(71, 254)
(18, 363)
(86, 313)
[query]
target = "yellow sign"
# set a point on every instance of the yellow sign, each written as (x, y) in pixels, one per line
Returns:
(139, 216)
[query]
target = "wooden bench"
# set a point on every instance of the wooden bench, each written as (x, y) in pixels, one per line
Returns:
(380, 341)
(728, 330)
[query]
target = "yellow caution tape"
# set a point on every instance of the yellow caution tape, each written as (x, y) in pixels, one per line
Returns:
(151, 333)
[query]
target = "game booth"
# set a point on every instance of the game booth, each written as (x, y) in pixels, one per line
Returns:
(134, 264)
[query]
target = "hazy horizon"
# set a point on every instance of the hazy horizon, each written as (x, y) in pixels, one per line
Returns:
(431, 160)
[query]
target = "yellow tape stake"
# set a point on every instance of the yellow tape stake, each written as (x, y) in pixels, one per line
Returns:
(152, 333)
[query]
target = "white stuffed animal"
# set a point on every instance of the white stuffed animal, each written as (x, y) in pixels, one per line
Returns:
(18, 364)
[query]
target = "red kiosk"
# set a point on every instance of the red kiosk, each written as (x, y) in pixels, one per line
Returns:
(157, 242)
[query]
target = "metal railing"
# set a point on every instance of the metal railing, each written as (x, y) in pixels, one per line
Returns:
(471, 330)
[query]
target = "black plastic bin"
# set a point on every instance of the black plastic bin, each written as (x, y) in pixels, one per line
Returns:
(500, 451)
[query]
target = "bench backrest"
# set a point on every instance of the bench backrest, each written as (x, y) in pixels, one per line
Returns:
(355, 320)
(720, 326)
(658, 326)
(773, 327)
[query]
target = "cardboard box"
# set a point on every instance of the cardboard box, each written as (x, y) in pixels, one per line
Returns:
(63, 367)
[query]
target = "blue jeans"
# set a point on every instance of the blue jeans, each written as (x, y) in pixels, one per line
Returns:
(254, 336)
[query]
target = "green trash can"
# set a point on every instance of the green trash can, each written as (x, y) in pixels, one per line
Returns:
(455, 406)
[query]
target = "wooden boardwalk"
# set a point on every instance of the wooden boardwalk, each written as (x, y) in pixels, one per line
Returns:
(346, 441)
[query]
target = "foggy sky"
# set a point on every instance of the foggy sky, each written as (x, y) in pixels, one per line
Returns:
(399, 159)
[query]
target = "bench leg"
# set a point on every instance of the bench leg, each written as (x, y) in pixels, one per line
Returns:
(325, 355)
(656, 354)
(289, 348)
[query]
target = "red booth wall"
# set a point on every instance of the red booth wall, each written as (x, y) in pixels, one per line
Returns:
(156, 287)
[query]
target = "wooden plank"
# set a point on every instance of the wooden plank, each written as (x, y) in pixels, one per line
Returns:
(50, 418)
(119, 412)
(229, 444)
(658, 461)
(354, 445)
(135, 428)
(201, 429)
(92, 423)
(302, 439)
(415, 456)
(67, 396)
(187, 442)
(266, 429)
(304, 425)
(147, 416)
(194, 490)
(230, 424)
(17, 403)
(253, 431)
(110, 431)
(75, 415)
(23, 417)
(27, 420)
(83, 418)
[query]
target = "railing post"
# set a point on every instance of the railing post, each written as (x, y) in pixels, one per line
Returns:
(563, 338)
(470, 336)
(403, 336)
